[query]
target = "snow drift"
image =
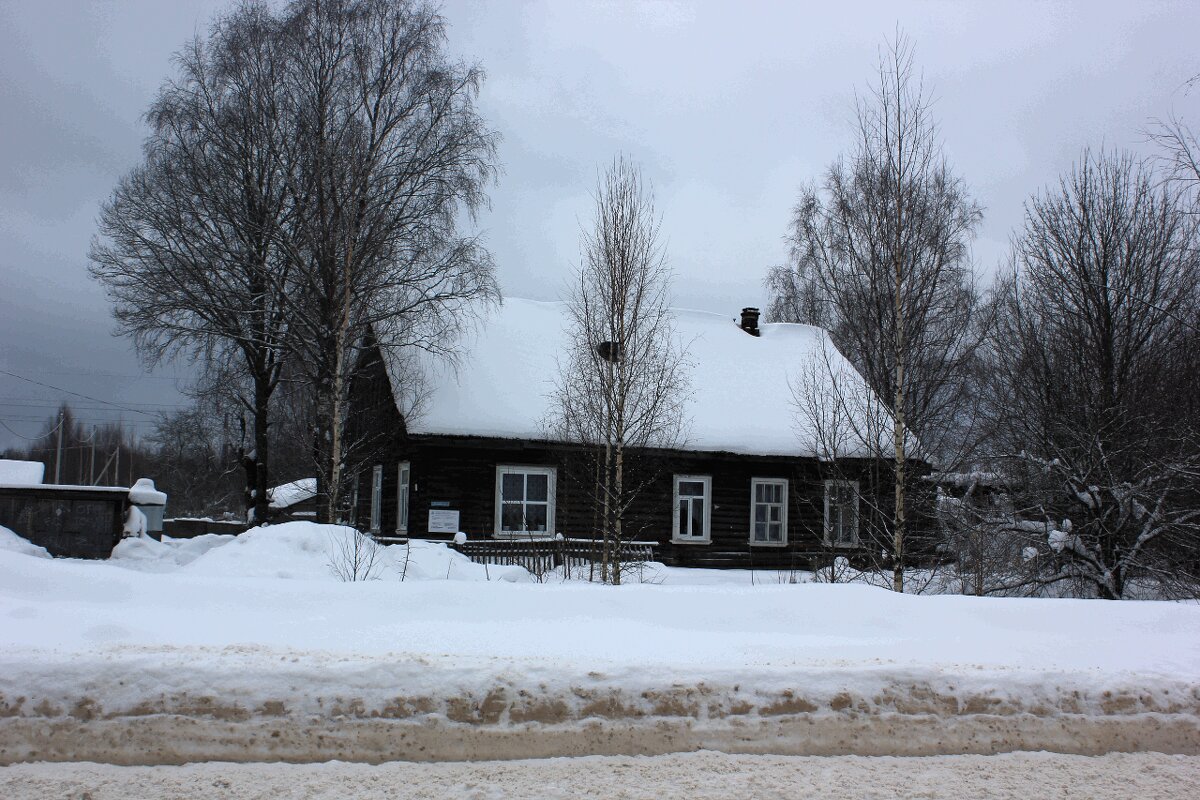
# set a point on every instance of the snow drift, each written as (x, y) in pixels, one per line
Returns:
(247, 648)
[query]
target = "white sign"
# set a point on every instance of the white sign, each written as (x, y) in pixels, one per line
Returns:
(443, 521)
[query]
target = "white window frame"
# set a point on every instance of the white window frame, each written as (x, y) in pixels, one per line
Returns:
(707, 534)
(403, 493)
(551, 474)
(376, 498)
(754, 484)
(853, 485)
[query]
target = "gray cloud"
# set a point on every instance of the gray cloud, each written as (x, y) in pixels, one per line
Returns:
(729, 107)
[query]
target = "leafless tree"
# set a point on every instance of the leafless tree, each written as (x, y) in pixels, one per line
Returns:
(388, 153)
(880, 256)
(1179, 158)
(187, 248)
(623, 386)
(1095, 357)
(990, 550)
(194, 461)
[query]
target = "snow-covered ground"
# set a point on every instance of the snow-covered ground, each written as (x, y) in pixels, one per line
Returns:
(248, 647)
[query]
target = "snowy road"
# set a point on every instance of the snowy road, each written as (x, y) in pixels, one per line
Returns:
(1145, 776)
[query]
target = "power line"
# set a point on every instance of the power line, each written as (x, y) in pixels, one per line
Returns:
(55, 404)
(140, 424)
(110, 375)
(21, 435)
(25, 398)
(76, 394)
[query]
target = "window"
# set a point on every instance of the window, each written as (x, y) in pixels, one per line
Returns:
(841, 513)
(768, 511)
(525, 501)
(376, 497)
(402, 479)
(693, 502)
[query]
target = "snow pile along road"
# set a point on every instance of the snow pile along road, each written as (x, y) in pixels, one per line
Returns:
(247, 648)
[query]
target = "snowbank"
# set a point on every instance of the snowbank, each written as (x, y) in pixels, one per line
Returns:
(308, 551)
(11, 542)
(248, 647)
(148, 555)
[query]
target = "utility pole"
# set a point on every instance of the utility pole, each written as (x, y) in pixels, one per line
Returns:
(58, 450)
(92, 468)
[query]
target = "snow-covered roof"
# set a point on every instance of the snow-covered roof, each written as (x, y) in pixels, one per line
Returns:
(21, 473)
(743, 394)
(144, 493)
(289, 494)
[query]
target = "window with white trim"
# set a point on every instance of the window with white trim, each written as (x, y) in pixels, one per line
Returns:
(376, 497)
(693, 507)
(768, 511)
(402, 479)
(525, 501)
(841, 513)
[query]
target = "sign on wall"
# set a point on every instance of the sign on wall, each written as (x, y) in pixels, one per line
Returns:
(442, 520)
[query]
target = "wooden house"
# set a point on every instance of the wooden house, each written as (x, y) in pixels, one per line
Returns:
(465, 447)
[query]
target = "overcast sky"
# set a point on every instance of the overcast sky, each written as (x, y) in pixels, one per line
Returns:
(729, 107)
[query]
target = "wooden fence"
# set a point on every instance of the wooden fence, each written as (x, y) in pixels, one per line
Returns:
(187, 528)
(539, 556)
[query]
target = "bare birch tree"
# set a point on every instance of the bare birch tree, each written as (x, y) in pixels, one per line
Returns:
(187, 249)
(1179, 158)
(880, 256)
(623, 387)
(1096, 359)
(389, 155)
